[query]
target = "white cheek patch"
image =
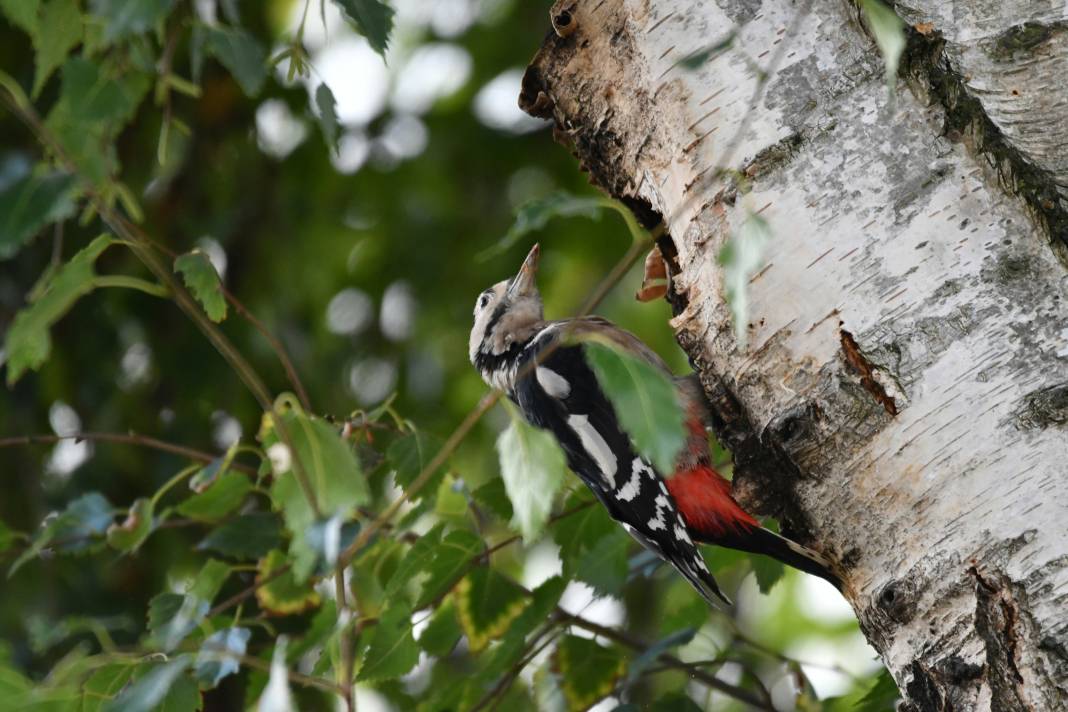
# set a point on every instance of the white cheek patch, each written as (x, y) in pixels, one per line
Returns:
(552, 383)
(597, 448)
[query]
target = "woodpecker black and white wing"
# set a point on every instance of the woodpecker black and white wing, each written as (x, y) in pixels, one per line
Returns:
(557, 390)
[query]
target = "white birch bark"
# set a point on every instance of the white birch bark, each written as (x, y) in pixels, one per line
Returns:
(903, 402)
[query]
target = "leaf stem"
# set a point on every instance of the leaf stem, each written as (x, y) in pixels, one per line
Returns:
(126, 282)
(172, 482)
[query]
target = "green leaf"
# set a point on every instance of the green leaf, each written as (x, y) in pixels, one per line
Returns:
(173, 616)
(535, 215)
(222, 497)
(78, 528)
(881, 697)
(328, 121)
(151, 689)
(532, 467)
(487, 603)
(436, 563)
(122, 18)
(494, 497)
(767, 570)
(209, 580)
(63, 31)
(649, 656)
(542, 606)
(333, 473)
(22, 14)
(203, 281)
(28, 343)
(698, 58)
(645, 400)
(129, 535)
(579, 532)
(442, 632)
(741, 258)
(28, 204)
(241, 54)
(409, 454)
(104, 683)
(373, 18)
(250, 536)
(92, 91)
(589, 670)
(219, 655)
(282, 595)
(889, 32)
(393, 651)
(604, 565)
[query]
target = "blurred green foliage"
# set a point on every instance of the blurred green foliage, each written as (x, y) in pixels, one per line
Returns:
(362, 252)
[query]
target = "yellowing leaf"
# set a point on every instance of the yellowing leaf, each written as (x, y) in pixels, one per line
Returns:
(282, 595)
(487, 603)
(131, 533)
(589, 670)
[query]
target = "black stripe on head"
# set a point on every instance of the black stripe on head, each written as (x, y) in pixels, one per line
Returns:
(498, 313)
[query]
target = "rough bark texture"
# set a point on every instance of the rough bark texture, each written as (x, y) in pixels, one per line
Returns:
(903, 402)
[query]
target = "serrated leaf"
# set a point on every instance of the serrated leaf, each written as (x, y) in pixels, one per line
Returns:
(881, 697)
(604, 565)
(443, 631)
(767, 571)
(487, 603)
(282, 595)
(436, 563)
(63, 31)
(28, 342)
(374, 20)
(250, 536)
(649, 656)
(535, 215)
(77, 528)
(393, 651)
(104, 683)
(577, 533)
(122, 18)
(200, 277)
(219, 655)
(589, 670)
(409, 454)
(328, 121)
(28, 204)
(240, 53)
(132, 532)
(543, 601)
(94, 93)
(494, 497)
(645, 400)
(223, 496)
(532, 468)
(741, 258)
(334, 478)
(151, 689)
(22, 14)
(889, 32)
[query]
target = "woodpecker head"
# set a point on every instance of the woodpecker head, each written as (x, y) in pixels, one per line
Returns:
(508, 313)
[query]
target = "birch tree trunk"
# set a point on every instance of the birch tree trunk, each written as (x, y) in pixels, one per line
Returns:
(902, 405)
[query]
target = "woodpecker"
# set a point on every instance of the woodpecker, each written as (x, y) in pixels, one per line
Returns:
(541, 366)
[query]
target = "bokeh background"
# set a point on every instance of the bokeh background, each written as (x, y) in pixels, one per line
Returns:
(364, 263)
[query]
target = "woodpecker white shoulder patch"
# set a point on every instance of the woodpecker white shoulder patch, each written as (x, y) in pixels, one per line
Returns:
(662, 504)
(681, 534)
(596, 446)
(552, 383)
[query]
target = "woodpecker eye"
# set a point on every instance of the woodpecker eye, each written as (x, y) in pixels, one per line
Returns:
(483, 301)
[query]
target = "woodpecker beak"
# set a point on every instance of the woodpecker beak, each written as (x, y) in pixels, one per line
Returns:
(525, 281)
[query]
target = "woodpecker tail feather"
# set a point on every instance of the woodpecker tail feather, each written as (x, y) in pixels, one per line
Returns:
(758, 540)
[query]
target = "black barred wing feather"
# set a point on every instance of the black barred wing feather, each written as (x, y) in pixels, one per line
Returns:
(559, 392)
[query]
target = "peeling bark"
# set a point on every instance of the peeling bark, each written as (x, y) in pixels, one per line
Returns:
(903, 406)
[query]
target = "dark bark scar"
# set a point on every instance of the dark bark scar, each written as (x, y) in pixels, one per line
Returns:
(860, 364)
